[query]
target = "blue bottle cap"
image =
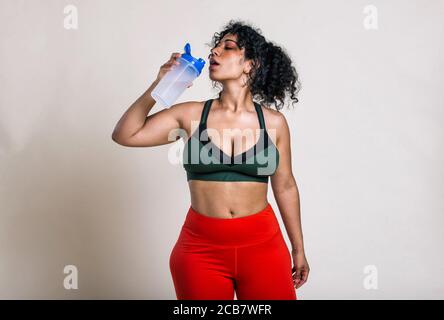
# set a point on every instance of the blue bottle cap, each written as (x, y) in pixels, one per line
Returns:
(198, 63)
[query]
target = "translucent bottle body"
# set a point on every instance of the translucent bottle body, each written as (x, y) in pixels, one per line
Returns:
(174, 83)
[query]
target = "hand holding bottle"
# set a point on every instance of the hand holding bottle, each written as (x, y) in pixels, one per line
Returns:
(169, 65)
(175, 75)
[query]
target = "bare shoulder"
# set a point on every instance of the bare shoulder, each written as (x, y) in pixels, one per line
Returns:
(275, 123)
(187, 113)
(186, 107)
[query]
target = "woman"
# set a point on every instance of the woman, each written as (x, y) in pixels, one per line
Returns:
(230, 241)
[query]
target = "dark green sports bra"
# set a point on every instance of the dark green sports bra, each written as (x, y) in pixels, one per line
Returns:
(256, 164)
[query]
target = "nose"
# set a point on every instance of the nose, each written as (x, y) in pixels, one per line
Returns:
(212, 51)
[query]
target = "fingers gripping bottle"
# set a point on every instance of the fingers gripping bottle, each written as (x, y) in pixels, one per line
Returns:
(175, 81)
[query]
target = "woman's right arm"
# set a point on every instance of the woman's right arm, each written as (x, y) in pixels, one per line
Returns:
(135, 129)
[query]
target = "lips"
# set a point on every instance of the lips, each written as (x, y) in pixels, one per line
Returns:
(213, 64)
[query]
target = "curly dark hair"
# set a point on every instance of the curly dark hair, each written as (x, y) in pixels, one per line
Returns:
(272, 74)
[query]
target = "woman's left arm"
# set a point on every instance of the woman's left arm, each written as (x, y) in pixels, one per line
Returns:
(286, 193)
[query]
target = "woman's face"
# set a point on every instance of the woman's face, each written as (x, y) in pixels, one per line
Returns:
(232, 64)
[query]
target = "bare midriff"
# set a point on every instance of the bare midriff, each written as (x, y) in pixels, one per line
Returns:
(232, 199)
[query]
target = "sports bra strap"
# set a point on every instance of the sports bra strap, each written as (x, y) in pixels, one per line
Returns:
(260, 115)
(205, 111)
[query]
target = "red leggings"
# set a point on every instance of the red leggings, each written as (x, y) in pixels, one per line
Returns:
(214, 258)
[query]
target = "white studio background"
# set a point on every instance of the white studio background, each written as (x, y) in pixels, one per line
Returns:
(367, 141)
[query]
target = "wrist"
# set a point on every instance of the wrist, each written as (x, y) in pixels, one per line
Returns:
(153, 84)
(297, 250)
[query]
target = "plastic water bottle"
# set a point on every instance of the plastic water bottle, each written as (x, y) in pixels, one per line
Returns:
(175, 81)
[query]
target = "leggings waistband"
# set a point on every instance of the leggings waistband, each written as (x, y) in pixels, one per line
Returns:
(247, 230)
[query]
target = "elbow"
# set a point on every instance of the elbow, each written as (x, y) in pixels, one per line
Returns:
(115, 137)
(126, 142)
